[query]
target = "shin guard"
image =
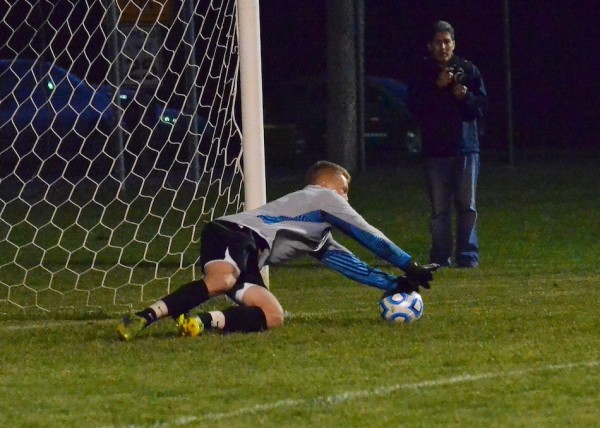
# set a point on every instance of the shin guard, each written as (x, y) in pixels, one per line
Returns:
(244, 319)
(186, 297)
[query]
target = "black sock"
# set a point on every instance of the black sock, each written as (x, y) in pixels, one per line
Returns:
(149, 315)
(244, 319)
(186, 297)
(206, 319)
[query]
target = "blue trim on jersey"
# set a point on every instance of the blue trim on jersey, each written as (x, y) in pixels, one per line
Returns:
(382, 247)
(378, 245)
(352, 267)
(309, 217)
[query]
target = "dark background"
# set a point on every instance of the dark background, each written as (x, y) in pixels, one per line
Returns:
(555, 49)
(554, 57)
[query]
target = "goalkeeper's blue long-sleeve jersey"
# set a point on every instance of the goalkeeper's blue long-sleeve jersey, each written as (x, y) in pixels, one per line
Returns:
(301, 223)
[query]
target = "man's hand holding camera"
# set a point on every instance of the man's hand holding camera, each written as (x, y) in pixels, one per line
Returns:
(448, 76)
(445, 78)
(459, 91)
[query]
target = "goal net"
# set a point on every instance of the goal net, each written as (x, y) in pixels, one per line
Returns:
(118, 142)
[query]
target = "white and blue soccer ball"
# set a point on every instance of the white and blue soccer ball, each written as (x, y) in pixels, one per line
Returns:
(401, 307)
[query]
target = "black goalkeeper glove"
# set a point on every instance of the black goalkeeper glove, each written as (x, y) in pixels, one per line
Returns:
(416, 276)
(420, 275)
(403, 285)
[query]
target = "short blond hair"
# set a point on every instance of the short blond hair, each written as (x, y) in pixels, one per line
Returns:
(323, 167)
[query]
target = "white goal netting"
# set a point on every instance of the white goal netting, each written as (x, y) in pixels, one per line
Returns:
(118, 141)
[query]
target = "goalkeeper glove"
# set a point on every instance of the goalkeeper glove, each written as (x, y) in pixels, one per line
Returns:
(403, 285)
(420, 275)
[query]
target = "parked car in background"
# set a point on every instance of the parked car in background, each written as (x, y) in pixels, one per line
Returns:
(48, 112)
(388, 123)
(301, 104)
(42, 98)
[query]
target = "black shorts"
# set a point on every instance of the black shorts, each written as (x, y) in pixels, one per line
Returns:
(238, 245)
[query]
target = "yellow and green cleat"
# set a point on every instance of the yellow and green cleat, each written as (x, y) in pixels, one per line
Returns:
(130, 327)
(189, 325)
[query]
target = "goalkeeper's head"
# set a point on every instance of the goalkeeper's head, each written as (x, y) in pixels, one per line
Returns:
(330, 176)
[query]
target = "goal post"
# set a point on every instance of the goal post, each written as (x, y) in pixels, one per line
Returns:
(252, 105)
(119, 140)
(252, 108)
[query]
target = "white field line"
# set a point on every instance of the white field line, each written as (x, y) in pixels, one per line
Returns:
(13, 325)
(375, 392)
(49, 324)
(324, 400)
(368, 393)
(32, 325)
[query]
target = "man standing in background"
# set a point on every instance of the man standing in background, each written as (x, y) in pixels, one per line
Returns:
(447, 97)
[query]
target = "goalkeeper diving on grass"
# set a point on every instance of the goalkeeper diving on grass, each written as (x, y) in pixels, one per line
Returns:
(234, 248)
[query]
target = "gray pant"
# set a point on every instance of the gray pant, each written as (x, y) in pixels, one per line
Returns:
(453, 179)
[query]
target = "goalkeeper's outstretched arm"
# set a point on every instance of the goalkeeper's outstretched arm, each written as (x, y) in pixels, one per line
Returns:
(341, 260)
(338, 258)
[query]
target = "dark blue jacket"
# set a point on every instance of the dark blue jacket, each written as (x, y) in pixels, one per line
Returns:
(449, 127)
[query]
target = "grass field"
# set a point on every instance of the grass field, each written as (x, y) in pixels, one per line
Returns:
(514, 343)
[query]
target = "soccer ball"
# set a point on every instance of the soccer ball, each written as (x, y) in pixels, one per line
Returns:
(401, 307)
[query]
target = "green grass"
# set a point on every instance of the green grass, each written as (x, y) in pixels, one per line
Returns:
(514, 343)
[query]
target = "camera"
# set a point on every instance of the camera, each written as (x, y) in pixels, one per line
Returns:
(459, 75)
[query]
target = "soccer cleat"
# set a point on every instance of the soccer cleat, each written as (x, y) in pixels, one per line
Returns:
(189, 325)
(130, 327)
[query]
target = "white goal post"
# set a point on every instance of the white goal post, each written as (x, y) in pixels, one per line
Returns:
(120, 138)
